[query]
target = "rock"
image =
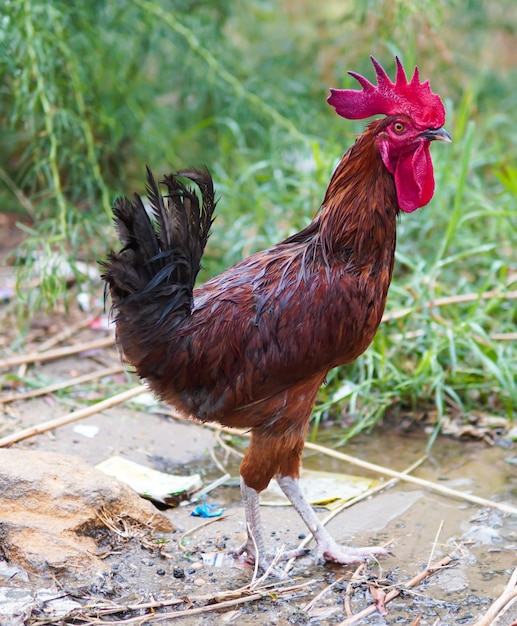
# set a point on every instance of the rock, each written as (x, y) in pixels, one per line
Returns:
(54, 509)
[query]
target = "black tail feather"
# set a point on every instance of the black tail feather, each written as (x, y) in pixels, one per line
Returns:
(156, 269)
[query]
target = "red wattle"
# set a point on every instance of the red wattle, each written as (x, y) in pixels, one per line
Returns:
(414, 178)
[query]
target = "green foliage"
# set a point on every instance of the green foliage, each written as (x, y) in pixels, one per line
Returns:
(91, 92)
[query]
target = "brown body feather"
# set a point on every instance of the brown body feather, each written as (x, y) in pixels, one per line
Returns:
(259, 339)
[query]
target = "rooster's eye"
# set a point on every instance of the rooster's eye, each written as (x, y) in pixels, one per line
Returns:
(399, 127)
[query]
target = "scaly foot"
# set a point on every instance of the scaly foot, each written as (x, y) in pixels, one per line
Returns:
(253, 549)
(265, 561)
(329, 550)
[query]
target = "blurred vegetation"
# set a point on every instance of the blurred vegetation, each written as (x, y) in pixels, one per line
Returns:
(91, 92)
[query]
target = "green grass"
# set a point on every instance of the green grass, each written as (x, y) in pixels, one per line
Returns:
(90, 94)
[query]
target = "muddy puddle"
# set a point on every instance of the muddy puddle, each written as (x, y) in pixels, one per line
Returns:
(417, 524)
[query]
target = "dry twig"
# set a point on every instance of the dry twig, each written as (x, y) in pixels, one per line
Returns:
(75, 416)
(503, 602)
(94, 615)
(64, 384)
(58, 353)
(310, 605)
(122, 526)
(67, 332)
(435, 542)
(459, 299)
(53, 341)
(441, 489)
(394, 593)
(356, 576)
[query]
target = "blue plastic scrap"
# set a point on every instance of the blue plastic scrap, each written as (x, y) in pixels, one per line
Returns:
(207, 510)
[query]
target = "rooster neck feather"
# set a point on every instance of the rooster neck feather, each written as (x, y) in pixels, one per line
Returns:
(358, 214)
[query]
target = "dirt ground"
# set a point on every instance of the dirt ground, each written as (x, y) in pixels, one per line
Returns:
(177, 569)
(416, 522)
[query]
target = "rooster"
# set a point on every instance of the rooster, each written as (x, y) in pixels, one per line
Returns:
(251, 347)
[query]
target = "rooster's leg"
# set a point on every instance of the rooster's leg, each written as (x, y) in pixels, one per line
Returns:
(327, 548)
(255, 541)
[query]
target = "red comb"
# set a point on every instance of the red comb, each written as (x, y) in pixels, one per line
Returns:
(411, 98)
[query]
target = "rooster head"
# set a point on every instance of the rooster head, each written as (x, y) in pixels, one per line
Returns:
(415, 117)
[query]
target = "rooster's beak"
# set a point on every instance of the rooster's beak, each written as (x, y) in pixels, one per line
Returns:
(440, 134)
